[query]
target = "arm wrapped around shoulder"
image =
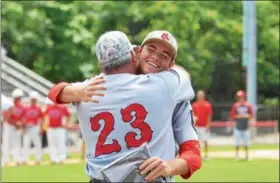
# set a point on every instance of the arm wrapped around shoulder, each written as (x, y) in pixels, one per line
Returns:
(190, 152)
(54, 93)
(182, 70)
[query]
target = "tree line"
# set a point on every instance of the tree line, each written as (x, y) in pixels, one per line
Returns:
(56, 39)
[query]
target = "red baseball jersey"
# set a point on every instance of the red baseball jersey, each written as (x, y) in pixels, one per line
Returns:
(56, 113)
(32, 114)
(202, 110)
(18, 112)
(239, 109)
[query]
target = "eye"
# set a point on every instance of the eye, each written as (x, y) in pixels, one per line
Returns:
(150, 49)
(165, 57)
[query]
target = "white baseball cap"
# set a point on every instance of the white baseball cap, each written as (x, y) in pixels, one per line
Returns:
(48, 101)
(34, 95)
(17, 93)
(164, 37)
(112, 45)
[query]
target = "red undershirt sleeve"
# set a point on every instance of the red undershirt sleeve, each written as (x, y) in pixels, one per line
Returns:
(55, 92)
(190, 152)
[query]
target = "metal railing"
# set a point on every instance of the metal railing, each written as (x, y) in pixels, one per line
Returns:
(24, 78)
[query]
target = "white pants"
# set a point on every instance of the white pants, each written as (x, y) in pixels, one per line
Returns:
(203, 133)
(32, 134)
(241, 136)
(57, 144)
(11, 143)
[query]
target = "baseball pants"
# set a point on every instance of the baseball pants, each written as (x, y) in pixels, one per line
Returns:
(56, 142)
(241, 135)
(11, 143)
(32, 134)
(203, 133)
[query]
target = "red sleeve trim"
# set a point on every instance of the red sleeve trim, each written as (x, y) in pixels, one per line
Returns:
(55, 92)
(233, 112)
(190, 152)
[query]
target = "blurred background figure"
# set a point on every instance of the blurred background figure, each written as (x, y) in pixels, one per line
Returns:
(56, 132)
(203, 116)
(6, 103)
(242, 114)
(33, 128)
(13, 127)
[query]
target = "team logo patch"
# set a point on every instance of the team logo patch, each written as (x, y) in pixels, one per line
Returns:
(165, 36)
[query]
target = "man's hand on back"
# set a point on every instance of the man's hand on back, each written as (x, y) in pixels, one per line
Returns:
(82, 93)
(86, 92)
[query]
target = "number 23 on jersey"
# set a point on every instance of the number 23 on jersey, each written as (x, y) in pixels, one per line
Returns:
(130, 137)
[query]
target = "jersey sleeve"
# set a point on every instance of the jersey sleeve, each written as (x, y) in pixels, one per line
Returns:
(250, 109)
(41, 115)
(233, 112)
(178, 84)
(183, 123)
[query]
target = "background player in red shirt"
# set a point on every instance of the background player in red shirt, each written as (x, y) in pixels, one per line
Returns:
(32, 128)
(56, 132)
(203, 116)
(241, 113)
(13, 124)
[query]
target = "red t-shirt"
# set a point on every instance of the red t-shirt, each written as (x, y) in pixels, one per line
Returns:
(241, 108)
(55, 113)
(202, 109)
(32, 114)
(17, 112)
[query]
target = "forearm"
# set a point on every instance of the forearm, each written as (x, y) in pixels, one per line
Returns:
(41, 123)
(179, 166)
(62, 93)
(69, 94)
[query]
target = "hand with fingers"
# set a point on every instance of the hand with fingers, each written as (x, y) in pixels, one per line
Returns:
(94, 88)
(154, 168)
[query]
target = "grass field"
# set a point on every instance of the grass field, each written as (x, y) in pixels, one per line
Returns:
(213, 170)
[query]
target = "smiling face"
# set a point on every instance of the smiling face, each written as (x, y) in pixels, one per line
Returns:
(155, 56)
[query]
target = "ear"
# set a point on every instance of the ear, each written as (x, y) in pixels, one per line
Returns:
(137, 49)
(172, 63)
(133, 60)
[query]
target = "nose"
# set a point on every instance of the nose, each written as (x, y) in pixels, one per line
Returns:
(154, 57)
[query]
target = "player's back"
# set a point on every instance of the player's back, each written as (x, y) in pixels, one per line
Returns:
(135, 110)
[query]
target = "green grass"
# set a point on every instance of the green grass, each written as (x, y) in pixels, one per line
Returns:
(229, 170)
(252, 147)
(45, 173)
(213, 170)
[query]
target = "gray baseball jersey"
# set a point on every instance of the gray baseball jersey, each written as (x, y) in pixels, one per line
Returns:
(136, 109)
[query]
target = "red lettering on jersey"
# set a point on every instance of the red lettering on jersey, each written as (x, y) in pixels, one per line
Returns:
(109, 121)
(165, 36)
(139, 123)
(130, 137)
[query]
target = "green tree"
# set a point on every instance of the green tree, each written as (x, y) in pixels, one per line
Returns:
(55, 38)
